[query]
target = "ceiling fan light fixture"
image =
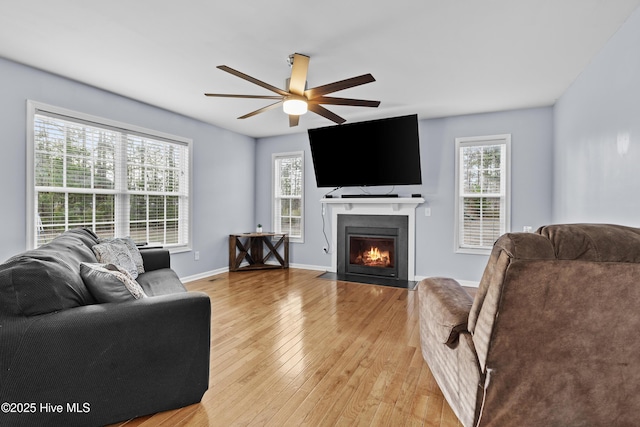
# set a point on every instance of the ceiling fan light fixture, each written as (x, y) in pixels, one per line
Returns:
(296, 99)
(295, 105)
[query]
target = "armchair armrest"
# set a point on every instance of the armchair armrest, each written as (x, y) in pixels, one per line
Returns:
(155, 258)
(444, 307)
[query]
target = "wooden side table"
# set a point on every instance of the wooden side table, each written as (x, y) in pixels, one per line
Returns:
(250, 247)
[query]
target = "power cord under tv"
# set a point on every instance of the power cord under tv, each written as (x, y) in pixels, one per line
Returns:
(327, 248)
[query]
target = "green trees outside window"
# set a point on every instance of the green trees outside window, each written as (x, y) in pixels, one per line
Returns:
(113, 182)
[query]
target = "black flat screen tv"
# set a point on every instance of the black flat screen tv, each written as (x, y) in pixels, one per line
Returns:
(373, 153)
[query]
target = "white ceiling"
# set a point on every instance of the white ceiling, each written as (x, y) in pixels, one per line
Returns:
(431, 57)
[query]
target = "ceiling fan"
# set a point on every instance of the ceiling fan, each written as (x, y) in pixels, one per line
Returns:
(296, 99)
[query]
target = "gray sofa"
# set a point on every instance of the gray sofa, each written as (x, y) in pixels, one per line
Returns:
(552, 335)
(67, 360)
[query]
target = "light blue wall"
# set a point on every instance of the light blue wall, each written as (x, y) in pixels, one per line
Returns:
(218, 156)
(597, 137)
(532, 180)
(531, 183)
(310, 252)
(576, 161)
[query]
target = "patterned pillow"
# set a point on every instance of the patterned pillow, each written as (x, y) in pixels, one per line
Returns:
(133, 248)
(110, 283)
(117, 253)
(135, 253)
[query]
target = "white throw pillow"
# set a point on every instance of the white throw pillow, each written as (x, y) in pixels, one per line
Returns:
(133, 249)
(116, 252)
(135, 253)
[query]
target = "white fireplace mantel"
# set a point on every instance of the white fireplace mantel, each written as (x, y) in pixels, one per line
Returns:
(376, 203)
(374, 206)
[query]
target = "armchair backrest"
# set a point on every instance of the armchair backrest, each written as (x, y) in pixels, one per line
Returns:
(593, 242)
(485, 308)
(585, 242)
(556, 320)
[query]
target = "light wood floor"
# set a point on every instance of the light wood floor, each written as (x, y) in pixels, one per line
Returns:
(289, 349)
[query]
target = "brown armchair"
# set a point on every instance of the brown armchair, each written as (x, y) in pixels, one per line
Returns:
(552, 337)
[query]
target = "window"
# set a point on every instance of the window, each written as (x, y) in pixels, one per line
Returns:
(288, 186)
(115, 179)
(482, 192)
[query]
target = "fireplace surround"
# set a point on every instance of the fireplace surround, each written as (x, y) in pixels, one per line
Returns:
(373, 206)
(374, 245)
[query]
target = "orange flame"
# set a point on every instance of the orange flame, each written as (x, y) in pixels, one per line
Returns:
(376, 257)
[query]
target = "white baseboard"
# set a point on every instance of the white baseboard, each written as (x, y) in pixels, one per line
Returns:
(203, 275)
(468, 283)
(310, 267)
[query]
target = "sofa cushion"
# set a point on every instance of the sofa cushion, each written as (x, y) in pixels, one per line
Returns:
(116, 252)
(41, 285)
(80, 235)
(47, 279)
(163, 281)
(110, 283)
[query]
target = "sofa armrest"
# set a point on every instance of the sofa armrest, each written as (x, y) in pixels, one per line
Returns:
(445, 307)
(155, 258)
(118, 360)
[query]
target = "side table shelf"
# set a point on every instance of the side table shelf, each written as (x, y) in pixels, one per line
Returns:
(250, 247)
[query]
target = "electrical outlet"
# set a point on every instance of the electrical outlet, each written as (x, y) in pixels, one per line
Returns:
(196, 255)
(325, 249)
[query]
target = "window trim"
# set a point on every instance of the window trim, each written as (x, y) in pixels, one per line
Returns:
(274, 157)
(35, 107)
(500, 139)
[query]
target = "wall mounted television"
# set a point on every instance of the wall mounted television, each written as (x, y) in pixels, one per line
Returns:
(372, 153)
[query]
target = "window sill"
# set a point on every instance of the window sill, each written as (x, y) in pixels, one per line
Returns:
(473, 251)
(178, 249)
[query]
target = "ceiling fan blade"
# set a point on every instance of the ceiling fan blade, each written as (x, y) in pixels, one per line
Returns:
(340, 85)
(253, 80)
(261, 110)
(225, 95)
(299, 70)
(326, 113)
(344, 101)
(293, 120)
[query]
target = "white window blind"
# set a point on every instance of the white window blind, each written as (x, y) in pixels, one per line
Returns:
(482, 191)
(288, 187)
(115, 179)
